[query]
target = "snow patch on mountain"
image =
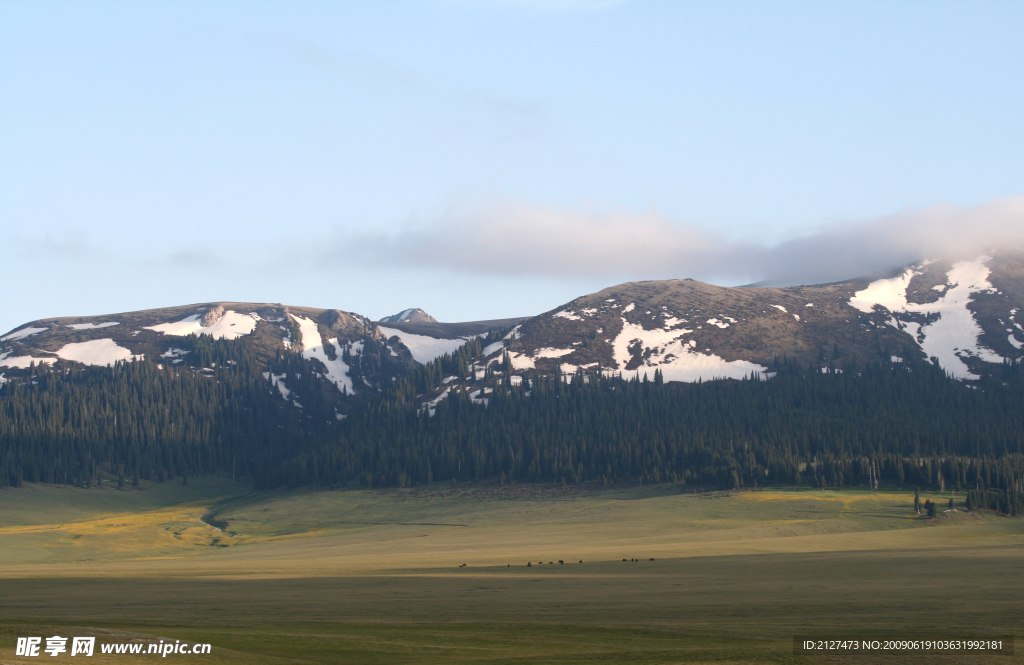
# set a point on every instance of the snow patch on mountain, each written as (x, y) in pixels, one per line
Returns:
(22, 334)
(889, 293)
(550, 352)
(22, 362)
(92, 326)
(313, 349)
(955, 334)
(230, 326)
(1013, 339)
(277, 380)
(566, 314)
(494, 347)
(424, 348)
(529, 361)
(432, 404)
(569, 368)
(99, 352)
(675, 357)
(521, 361)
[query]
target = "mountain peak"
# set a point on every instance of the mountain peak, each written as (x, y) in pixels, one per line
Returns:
(413, 315)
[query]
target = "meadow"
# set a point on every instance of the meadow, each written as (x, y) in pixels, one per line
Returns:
(377, 576)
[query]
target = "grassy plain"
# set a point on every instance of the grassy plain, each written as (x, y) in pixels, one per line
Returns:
(373, 576)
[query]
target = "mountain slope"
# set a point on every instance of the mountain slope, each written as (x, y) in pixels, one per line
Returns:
(346, 350)
(966, 315)
(293, 396)
(350, 357)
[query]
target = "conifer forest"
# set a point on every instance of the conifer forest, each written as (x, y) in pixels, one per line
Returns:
(899, 425)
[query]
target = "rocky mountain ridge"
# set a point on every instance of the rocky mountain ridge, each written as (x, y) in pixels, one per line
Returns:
(965, 315)
(347, 350)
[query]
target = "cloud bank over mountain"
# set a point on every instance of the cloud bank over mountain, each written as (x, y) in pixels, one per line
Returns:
(522, 239)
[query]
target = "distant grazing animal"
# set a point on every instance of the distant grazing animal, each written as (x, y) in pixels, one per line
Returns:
(462, 566)
(581, 560)
(529, 565)
(560, 561)
(652, 559)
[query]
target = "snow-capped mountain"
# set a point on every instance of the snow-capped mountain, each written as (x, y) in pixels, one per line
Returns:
(966, 315)
(350, 356)
(414, 315)
(344, 349)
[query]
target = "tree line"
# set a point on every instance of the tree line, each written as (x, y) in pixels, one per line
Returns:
(140, 419)
(903, 425)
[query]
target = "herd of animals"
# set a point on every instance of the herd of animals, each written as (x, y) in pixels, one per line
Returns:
(529, 564)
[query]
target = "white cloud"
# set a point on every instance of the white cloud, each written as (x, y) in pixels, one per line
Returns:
(522, 239)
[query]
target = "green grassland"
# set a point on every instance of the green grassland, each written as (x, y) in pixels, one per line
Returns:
(375, 576)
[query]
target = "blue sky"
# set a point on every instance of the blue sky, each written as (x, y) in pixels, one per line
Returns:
(493, 158)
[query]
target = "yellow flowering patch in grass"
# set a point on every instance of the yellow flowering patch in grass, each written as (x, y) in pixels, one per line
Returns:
(164, 532)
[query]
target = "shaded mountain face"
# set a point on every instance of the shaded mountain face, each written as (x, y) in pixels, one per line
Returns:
(964, 315)
(415, 315)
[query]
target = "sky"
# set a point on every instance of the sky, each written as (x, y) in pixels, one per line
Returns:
(492, 158)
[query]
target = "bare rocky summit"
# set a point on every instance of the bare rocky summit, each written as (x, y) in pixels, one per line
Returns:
(414, 315)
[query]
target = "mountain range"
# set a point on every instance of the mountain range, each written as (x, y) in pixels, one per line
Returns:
(912, 376)
(964, 315)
